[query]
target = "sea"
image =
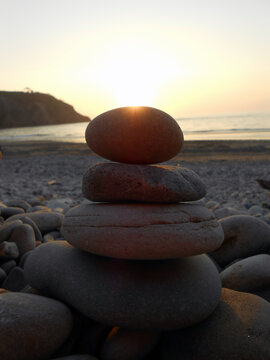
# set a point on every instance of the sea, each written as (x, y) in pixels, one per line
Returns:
(229, 127)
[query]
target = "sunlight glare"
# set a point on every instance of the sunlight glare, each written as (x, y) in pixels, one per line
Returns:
(132, 72)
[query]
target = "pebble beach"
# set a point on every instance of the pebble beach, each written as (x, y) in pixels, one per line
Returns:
(108, 298)
(43, 171)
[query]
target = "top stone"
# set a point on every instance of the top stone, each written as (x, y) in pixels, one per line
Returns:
(135, 135)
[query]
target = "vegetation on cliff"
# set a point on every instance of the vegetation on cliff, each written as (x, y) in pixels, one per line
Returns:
(20, 109)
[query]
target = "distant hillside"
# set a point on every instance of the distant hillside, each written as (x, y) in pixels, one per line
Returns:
(20, 109)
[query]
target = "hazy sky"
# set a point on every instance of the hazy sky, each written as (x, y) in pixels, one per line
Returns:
(189, 58)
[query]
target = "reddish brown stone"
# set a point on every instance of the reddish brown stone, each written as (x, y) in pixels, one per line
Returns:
(135, 135)
(114, 182)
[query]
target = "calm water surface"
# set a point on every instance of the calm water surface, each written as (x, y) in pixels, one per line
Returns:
(234, 127)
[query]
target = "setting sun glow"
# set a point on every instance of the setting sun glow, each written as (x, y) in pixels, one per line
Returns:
(133, 73)
(189, 58)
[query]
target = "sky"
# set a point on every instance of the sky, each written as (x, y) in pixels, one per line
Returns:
(188, 58)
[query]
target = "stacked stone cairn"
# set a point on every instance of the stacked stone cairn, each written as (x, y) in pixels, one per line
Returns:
(133, 260)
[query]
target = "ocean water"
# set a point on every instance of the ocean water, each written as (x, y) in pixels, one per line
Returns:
(233, 127)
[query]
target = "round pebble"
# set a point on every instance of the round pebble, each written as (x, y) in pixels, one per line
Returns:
(18, 203)
(165, 294)
(10, 211)
(24, 237)
(142, 231)
(32, 327)
(15, 281)
(250, 274)
(237, 330)
(244, 236)
(225, 212)
(135, 135)
(114, 182)
(6, 229)
(46, 220)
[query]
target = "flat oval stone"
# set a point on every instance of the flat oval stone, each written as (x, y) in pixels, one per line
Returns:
(10, 211)
(24, 237)
(135, 135)
(32, 327)
(237, 330)
(6, 229)
(244, 236)
(114, 182)
(18, 203)
(165, 294)
(15, 281)
(250, 274)
(142, 231)
(45, 220)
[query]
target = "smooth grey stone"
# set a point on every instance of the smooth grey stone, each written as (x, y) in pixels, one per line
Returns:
(134, 294)
(18, 203)
(9, 250)
(237, 330)
(213, 205)
(10, 211)
(115, 182)
(34, 201)
(122, 344)
(8, 265)
(51, 236)
(32, 327)
(250, 274)
(15, 281)
(255, 210)
(6, 229)
(142, 231)
(244, 236)
(26, 220)
(46, 221)
(225, 212)
(24, 237)
(57, 205)
(48, 237)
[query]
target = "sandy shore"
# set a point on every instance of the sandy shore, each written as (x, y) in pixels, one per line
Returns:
(192, 150)
(47, 170)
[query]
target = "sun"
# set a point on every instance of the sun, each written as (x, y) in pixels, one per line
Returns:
(132, 72)
(132, 82)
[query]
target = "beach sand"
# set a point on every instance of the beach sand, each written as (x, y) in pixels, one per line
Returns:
(47, 170)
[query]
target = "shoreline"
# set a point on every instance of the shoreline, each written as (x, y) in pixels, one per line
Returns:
(193, 150)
